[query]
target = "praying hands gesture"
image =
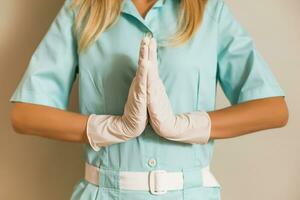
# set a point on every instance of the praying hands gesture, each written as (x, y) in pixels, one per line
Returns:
(191, 127)
(147, 93)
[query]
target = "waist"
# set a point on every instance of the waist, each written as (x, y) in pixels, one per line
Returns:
(156, 181)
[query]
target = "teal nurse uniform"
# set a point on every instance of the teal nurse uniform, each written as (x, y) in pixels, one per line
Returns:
(221, 51)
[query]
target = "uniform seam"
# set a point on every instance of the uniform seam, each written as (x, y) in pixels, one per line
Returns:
(47, 97)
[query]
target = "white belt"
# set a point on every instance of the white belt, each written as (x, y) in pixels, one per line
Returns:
(157, 181)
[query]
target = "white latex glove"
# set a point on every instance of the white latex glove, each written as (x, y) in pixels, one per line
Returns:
(191, 127)
(103, 130)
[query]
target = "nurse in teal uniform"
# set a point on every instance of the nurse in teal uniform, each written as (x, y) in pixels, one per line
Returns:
(147, 117)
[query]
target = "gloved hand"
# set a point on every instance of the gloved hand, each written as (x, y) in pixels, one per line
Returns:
(190, 127)
(103, 130)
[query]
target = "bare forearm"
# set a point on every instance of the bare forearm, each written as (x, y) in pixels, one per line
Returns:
(248, 117)
(49, 122)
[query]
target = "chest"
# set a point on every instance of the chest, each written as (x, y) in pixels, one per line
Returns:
(109, 65)
(117, 49)
(117, 52)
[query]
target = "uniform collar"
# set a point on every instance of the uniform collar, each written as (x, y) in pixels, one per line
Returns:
(129, 8)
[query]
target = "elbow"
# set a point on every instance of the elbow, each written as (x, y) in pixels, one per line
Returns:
(15, 120)
(283, 116)
(284, 120)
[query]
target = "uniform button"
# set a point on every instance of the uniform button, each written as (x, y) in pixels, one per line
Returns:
(152, 162)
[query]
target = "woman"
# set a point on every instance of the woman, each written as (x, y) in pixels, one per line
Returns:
(147, 107)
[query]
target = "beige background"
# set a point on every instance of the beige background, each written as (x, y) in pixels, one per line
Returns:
(264, 165)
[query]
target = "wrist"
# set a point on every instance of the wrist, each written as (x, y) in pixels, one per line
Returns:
(202, 124)
(90, 131)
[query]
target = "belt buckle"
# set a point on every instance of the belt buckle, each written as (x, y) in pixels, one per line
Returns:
(157, 182)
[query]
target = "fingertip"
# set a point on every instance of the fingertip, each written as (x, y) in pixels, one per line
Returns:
(144, 41)
(144, 46)
(147, 40)
(153, 46)
(153, 42)
(152, 49)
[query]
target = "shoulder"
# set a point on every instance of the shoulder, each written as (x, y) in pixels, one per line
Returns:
(67, 10)
(213, 9)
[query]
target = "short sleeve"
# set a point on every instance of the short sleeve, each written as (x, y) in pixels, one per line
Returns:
(242, 72)
(52, 68)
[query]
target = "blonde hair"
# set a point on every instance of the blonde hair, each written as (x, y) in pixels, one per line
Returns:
(95, 16)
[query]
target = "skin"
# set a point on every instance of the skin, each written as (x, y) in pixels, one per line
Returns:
(232, 121)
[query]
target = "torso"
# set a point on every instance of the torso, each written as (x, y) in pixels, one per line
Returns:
(188, 73)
